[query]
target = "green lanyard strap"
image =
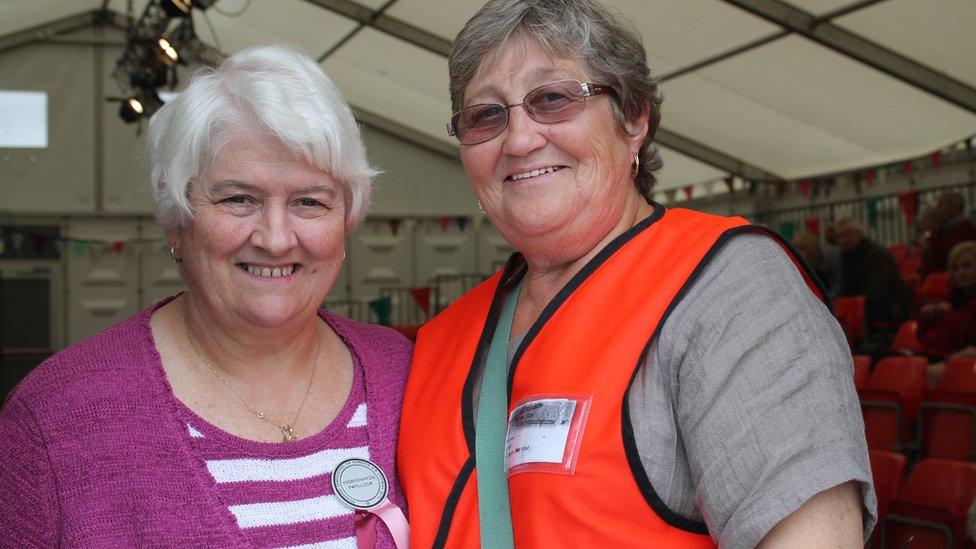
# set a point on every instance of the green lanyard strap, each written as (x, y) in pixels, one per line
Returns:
(494, 508)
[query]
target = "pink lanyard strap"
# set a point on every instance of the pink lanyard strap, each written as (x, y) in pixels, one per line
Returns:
(392, 516)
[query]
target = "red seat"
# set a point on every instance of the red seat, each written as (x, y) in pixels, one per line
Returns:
(888, 470)
(959, 377)
(906, 339)
(850, 313)
(899, 252)
(947, 416)
(891, 399)
(862, 368)
(930, 509)
(936, 286)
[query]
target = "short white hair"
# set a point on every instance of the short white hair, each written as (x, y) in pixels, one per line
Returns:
(276, 89)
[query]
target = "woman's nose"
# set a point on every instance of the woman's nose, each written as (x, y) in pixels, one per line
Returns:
(523, 134)
(274, 232)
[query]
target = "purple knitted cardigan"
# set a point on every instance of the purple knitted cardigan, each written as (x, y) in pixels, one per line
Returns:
(93, 452)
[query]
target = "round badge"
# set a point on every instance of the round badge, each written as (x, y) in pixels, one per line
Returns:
(359, 483)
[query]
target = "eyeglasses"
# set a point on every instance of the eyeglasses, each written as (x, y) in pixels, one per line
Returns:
(548, 104)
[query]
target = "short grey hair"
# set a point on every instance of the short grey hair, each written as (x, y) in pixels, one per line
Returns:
(610, 51)
(272, 89)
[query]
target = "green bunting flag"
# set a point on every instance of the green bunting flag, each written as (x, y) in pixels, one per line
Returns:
(382, 306)
(787, 229)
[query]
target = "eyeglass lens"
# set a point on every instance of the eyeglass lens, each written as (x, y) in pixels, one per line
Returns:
(546, 104)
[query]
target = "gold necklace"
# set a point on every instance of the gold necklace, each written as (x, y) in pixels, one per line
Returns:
(288, 429)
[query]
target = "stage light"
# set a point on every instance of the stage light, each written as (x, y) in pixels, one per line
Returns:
(166, 52)
(141, 105)
(176, 8)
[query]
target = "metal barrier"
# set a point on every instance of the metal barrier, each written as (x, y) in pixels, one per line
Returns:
(352, 309)
(890, 227)
(449, 287)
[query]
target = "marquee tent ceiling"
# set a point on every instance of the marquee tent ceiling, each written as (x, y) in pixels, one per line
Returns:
(758, 88)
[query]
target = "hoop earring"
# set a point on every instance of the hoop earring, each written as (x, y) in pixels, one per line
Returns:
(174, 256)
(635, 167)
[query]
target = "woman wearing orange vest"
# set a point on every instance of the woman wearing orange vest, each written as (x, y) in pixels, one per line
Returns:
(635, 376)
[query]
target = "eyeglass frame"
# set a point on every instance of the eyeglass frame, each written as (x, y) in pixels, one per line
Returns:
(589, 89)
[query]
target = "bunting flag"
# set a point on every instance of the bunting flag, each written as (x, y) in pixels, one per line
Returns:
(857, 183)
(813, 225)
(730, 183)
(80, 248)
(909, 206)
(906, 168)
(787, 229)
(445, 223)
(422, 296)
(669, 195)
(869, 177)
(395, 225)
(118, 246)
(381, 307)
(872, 207)
(936, 160)
(805, 187)
(462, 222)
(689, 191)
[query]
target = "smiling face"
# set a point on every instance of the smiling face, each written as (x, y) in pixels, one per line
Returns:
(267, 239)
(546, 187)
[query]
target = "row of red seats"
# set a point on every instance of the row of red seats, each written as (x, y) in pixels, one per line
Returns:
(896, 406)
(926, 510)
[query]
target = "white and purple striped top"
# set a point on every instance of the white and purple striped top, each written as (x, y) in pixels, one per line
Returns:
(280, 494)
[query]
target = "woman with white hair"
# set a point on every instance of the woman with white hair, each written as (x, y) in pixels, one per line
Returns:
(237, 413)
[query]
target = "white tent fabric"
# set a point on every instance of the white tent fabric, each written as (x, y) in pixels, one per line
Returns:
(789, 106)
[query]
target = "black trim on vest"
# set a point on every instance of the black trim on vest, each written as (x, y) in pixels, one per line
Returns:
(513, 271)
(592, 265)
(450, 505)
(629, 440)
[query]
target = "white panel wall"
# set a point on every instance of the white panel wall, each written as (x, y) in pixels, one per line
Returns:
(59, 178)
(102, 285)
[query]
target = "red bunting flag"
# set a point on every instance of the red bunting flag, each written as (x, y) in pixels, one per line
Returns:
(936, 160)
(805, 187)
(689, 191)
(445, 223)
(869, 177)
(813, 225)
(909, 206)
(118, 246)
(906, 167)
(422, 296)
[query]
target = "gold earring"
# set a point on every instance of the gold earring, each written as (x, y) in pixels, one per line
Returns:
(635, 169)
(174, 256)
(481, 207)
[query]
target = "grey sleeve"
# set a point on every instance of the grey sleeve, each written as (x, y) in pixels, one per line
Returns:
(762, 396)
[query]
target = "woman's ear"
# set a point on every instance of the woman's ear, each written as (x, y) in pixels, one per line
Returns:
(638, 127)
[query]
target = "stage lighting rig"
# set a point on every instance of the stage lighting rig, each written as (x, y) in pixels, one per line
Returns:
(162, 38)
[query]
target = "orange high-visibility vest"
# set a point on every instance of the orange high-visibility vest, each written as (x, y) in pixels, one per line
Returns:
(588, 343)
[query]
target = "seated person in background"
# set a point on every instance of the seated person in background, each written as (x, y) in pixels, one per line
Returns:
(953, 227)
(870, 270)
(809, 247)
(948, 329)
